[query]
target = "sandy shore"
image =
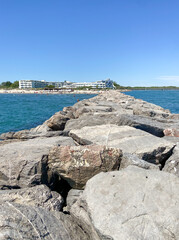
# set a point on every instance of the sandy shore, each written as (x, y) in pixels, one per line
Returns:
(23, 91)
(64, 91)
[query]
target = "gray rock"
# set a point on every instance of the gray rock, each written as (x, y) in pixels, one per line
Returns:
(77, 164)
(72, 197)
(58, 121)
(131, 159)
(90, 120)
(91, 109)
(38, 196)
(171, 139)
(172, 164)
(25, 134)
(128, 139)
(26, 222)
(23, 164)
(130, 204)
(119, 118)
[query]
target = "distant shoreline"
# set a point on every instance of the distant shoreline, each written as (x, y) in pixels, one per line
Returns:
(23, 91)
(27, 91)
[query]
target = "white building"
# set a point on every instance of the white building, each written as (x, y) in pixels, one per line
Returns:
(42, 83)
(98, 84)
(38, 84)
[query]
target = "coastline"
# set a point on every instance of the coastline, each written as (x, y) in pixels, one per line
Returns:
(64, 91)
(23, 91)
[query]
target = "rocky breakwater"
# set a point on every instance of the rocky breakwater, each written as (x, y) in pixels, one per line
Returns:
(105, 168)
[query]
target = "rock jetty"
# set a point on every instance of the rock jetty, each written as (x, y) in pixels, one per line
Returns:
(105, 168)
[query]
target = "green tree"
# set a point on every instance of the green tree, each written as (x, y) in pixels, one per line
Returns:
(15, 84)
(5, 84)
(50, 86)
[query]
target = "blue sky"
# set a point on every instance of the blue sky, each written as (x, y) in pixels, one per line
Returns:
(133, 42)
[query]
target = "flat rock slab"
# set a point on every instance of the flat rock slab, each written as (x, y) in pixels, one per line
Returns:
(118, 118)
(38, 196)
(77, 164)
(130, 204)
(22, 164)
(128, 139)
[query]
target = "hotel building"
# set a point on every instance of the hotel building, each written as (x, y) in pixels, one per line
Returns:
(24, 84)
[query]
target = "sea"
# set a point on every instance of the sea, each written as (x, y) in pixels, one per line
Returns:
(168, 99)
(25, 111)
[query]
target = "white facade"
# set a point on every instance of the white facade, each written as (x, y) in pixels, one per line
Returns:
(38, 84)
(98, 84)
(42, 83)
(32, 84)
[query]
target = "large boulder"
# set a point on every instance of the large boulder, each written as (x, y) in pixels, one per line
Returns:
(77, 164)
(118, 118)
(23, 164)
(130, 204)
(58, 121)
(22, 222)
(38, 196)
(172, 164)
(128, 139)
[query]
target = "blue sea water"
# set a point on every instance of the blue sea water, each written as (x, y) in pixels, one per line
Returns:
(168, 99)
(24, 111)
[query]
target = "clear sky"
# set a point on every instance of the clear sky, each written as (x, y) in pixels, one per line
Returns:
(133, 42)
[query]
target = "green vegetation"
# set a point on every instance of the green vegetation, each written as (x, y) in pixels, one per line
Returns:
(117, 86)
(50, 86)
(8, 84)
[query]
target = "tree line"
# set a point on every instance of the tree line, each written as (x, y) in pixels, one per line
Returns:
(9, 84)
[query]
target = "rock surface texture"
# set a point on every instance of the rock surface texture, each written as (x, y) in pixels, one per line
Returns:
(128, 139)
(172, 164)
(130, 204)
(23, 222)
(23, 164)
(38, 196)
(77, 164)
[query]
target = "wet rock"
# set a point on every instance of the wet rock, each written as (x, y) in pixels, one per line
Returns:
(77, 164)
(130, 204)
